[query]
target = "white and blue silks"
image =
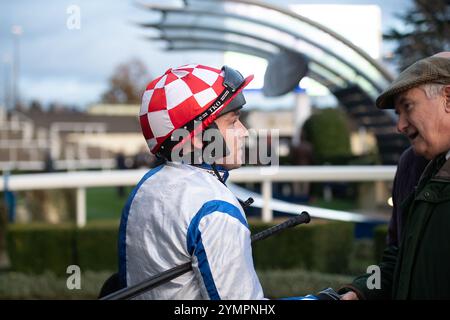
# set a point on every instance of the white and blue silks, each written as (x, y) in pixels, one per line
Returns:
(180, 213)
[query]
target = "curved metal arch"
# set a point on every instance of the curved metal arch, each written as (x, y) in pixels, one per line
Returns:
(238, 47)
(205, 12)
(311, 73)
(215, 40)
(319, 26)
(220, 47)
(252, 36)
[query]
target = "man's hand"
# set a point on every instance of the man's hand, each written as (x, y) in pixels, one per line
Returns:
(349, 296)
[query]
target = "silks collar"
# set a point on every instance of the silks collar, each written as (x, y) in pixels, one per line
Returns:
(224, 173)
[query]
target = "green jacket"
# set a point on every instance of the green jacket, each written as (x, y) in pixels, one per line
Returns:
(420, 267)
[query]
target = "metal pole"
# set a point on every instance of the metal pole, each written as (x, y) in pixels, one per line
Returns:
(267, 214)
(81, 207)
(17, 32)
(6, 88)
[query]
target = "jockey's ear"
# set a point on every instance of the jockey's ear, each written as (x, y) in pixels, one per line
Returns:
(197, 141)
(193, 143)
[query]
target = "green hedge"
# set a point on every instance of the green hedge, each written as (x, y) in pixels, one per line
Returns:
(324, 247)
(36, 248)
(329, 133)
(97, 246)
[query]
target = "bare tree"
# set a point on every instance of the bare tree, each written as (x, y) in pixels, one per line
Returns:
(127, 83)
(426, 32)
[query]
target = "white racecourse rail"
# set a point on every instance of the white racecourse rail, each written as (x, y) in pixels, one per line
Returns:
(81, 180)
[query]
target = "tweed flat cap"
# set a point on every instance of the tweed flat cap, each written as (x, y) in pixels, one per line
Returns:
(428, 70)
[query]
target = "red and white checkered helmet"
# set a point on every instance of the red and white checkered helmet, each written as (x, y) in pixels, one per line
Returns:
(186, 95)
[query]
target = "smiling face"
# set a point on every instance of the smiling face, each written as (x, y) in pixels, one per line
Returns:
(425, 120)
(234, 133)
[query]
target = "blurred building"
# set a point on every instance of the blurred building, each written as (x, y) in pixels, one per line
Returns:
(29, 140)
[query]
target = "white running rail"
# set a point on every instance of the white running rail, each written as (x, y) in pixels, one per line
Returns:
(81, 180)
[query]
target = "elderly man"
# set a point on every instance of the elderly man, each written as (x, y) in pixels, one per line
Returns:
(419, 267)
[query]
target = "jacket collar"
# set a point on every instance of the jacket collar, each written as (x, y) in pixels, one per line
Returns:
(444, 171)
(437, 169)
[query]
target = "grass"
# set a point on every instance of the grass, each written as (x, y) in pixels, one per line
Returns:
(275, 283)
(105, 203)
(15, 285)
(288, 283)
(334, 204)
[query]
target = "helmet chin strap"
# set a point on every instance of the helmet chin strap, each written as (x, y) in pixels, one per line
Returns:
(216, 172)
(214, 156)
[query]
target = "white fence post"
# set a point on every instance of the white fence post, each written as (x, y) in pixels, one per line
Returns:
(81, 207)
(267, 215)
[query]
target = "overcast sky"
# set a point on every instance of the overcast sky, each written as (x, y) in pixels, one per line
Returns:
(72, 66)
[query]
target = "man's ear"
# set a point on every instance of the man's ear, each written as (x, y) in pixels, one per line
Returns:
(447, 98)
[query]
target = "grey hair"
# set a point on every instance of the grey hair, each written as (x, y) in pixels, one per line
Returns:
(432, 90)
